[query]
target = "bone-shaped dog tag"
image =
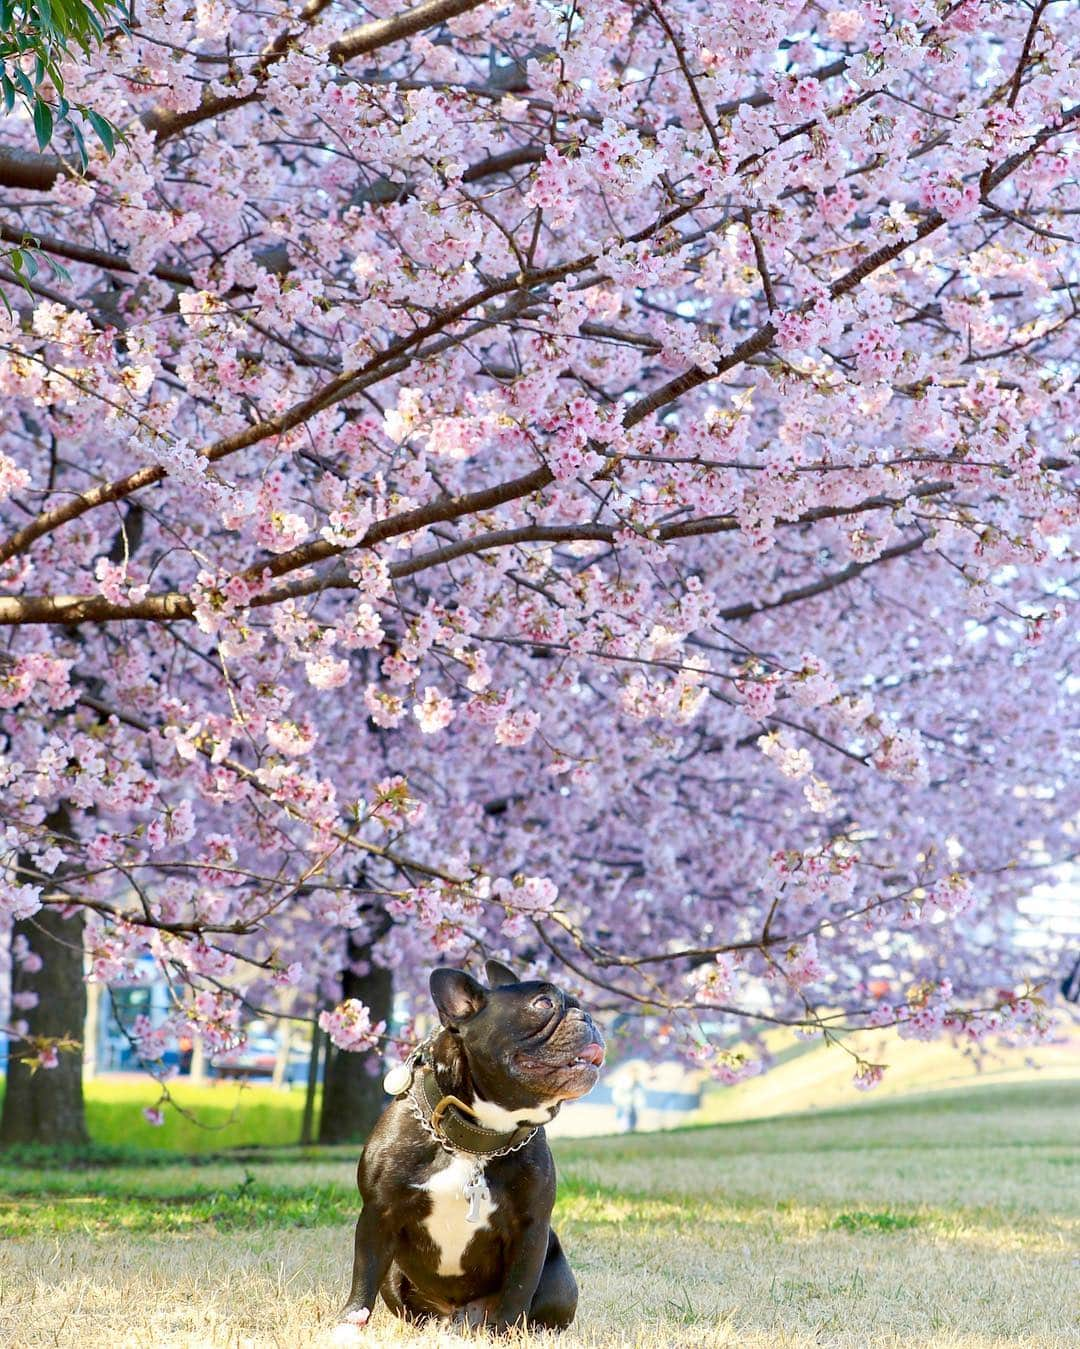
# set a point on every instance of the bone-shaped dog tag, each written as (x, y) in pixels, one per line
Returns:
(476, 1191)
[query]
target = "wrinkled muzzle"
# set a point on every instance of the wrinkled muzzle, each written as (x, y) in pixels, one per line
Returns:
(568, 1064)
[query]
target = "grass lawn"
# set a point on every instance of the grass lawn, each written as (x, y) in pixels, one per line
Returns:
(947, 1221)
(227, 1114)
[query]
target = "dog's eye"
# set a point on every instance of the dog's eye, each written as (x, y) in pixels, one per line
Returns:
(543, 1001)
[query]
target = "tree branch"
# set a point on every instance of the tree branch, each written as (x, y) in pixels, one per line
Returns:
(172, 606)
(359, 41)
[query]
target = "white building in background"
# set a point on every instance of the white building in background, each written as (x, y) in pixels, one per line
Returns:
(1050, 916)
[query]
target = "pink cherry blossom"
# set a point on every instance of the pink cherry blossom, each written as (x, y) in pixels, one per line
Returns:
(598, 492)
(349, 1026)
(434, 712)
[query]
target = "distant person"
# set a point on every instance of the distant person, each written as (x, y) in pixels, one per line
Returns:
(628, 1098)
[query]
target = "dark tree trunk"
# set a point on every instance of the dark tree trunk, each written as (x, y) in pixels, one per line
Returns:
(353, 1096)
(47, 1106)
(307, 1124)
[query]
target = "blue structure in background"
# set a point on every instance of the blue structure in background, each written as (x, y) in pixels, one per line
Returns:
(119, 1008)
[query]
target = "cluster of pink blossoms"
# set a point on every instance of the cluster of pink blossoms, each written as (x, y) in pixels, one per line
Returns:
(349, 1026)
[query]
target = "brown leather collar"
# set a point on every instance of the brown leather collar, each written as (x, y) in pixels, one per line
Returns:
(455, 1124)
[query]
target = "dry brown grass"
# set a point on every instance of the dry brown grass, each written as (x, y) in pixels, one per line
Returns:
(902, 1225)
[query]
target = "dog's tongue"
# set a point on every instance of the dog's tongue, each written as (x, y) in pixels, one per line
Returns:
(593, 1053)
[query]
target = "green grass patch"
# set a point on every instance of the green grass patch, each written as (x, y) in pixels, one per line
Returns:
(222, 1115)
(99, 1207)
(218, 1115)
(887, 1221)
(809, 1076)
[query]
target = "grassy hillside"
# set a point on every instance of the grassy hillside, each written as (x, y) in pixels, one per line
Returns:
(810, 1076)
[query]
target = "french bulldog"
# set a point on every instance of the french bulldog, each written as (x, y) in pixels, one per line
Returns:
(457, 1179)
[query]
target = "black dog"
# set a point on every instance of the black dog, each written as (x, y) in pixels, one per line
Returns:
(457, 1179)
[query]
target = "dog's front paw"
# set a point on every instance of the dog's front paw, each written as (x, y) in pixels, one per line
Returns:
(473, 1315)
(350, 1329)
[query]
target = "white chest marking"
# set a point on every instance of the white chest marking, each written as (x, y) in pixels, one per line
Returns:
(494, 1116)
(447, 1224)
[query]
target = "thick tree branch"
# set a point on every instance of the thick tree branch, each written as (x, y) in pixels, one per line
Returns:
(821, 586)
(359, 41)
(92, 257)
(369, 37)
(70, 610)
(28, 172)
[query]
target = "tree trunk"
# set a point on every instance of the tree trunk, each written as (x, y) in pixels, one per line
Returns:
(46, 1106)
(197, 1070)
(281, 1063)
(353, 1097)
(307, 1124)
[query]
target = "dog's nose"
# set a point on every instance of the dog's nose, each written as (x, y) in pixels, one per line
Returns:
(581, 1015)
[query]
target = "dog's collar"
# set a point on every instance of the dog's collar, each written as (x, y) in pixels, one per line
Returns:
(453, 1124)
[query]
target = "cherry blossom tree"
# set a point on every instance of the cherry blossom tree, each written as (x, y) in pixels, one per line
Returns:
(589, 483)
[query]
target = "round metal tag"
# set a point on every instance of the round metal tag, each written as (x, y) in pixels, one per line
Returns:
(398, 1080)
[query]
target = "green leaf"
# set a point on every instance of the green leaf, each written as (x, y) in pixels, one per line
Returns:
(92, 24)
(43, 124)
(104, 129)
(80, 145)
(23, 83)
(59, 271)
(8, 90)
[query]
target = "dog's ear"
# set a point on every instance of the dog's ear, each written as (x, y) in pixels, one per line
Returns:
(457, 995)
(499, 974)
